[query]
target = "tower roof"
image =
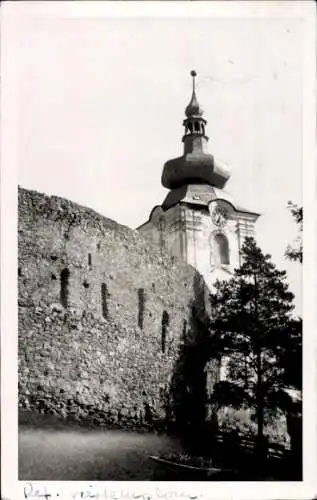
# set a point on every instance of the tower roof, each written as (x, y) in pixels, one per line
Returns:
(196, 165)
(203, 195)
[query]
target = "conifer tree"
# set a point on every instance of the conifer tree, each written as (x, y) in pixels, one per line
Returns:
(254, 327)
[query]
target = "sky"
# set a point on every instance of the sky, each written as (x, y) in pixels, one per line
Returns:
(100, 102)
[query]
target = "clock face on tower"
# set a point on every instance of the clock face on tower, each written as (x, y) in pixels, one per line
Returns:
(219, 216)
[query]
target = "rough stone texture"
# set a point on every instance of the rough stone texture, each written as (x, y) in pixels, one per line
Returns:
(98, 358)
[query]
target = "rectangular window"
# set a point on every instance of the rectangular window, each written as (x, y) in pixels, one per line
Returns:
(141, 300)
(64, 287)
(165, 323)
(104, 300)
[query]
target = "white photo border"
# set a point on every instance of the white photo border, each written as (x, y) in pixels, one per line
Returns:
(12, 14)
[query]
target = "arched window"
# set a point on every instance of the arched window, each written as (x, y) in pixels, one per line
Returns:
(197, 127)
(64, 287)
(221, 247)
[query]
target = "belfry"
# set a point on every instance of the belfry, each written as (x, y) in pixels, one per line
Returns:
(199, 221)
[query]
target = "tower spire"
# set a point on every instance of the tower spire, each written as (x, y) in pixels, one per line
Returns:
(193, 109)
(193, 74)
(196, 165)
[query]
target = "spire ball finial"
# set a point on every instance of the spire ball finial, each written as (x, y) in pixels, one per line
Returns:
(193, 74)
(193, 108)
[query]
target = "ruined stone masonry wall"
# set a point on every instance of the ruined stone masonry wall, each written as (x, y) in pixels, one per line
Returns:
(93, 343)
(165, 229)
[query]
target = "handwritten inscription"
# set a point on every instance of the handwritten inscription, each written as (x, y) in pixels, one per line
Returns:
(85, 494)
(174, 495)
(36, 491)
(88, 493)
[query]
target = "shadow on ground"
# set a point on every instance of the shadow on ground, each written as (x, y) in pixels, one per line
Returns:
(57, 451)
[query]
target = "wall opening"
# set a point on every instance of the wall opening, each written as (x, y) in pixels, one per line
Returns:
(19, 272)
(165, 323)
(89, 260)
(184, 329)
(141, 300)
(221, 249)
(197, 127)
(64, 287)
(104, 300)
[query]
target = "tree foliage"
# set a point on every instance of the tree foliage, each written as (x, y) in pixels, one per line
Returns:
(293, 358)
(295, 251)
(255, 330)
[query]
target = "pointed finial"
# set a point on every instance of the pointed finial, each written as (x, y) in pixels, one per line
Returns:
(193, 74)
(193, 108)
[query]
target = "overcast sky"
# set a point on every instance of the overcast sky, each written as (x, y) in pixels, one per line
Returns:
(100, 104)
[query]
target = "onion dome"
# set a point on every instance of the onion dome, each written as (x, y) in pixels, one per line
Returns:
(196, 165)
(193, 108)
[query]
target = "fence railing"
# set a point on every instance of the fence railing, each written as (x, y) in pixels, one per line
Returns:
(247, 444)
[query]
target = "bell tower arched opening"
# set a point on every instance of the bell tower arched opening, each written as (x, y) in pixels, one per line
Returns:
(221, 249)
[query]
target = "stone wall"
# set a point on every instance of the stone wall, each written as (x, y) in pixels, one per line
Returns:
(166, 229)
(103, 315)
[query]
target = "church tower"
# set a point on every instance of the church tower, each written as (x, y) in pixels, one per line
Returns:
(199, 221)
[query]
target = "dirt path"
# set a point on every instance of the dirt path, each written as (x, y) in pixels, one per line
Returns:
(89, 455)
